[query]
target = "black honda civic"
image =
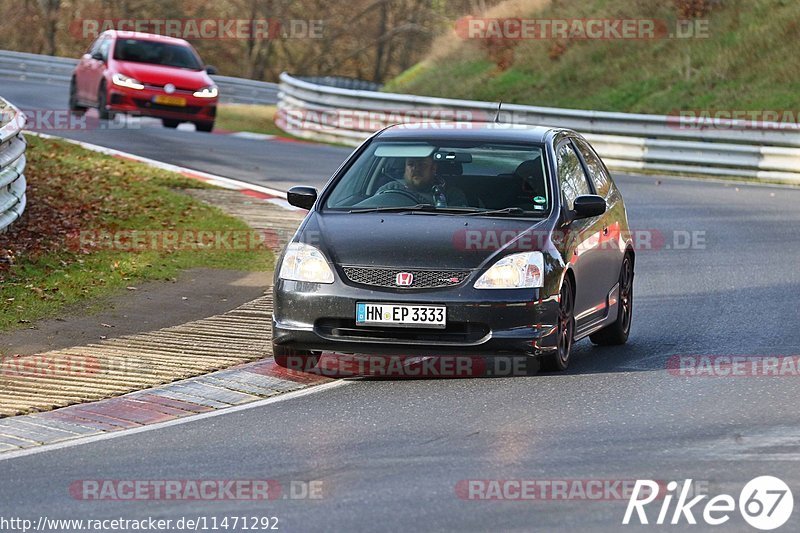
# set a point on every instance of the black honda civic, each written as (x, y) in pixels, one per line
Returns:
(458, 239)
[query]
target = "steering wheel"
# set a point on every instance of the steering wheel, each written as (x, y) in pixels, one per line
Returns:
(407, 194)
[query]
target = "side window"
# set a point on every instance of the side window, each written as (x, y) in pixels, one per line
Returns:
(571, 177)
(104, 48)
(95, 46)
(596, 169)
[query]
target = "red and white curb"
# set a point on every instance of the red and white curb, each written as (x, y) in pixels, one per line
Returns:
(244, 387)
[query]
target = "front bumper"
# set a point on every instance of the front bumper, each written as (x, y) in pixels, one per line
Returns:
(140, 102)
(319, 317)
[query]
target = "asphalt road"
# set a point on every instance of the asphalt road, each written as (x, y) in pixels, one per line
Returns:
(391, 453)
(279, 164)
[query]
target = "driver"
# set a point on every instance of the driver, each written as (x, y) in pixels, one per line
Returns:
(421, 182)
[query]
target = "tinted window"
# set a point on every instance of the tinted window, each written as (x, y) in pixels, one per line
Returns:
(156, 53)
(571, 177)
(485, 176)
(596, 169)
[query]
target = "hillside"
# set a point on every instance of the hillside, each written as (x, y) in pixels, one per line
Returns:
(748, 61)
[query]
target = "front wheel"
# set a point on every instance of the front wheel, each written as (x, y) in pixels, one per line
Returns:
(170, 123)
(102, 103)
(204, 126)
(559, 360)
(617, 333)
(300, 360)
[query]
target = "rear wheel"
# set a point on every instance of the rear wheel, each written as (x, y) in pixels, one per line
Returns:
(170, 122)
(559, 360)
(617, 333)
(300, 360)
(204, 126)
(73, 98)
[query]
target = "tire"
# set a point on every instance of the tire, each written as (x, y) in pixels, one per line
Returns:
(170, 122)
(300, 360)
(617, 333)
(207, 127)
(102, 102)
(74, 107)
(559, 360)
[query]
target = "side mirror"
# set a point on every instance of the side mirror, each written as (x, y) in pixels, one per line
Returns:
(211, 69)
(98, 56)
(303, 197)
(589, 205)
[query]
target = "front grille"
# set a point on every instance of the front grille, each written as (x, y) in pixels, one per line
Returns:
(423, 279)
(147, 104)
(178, 90)
(347, 329)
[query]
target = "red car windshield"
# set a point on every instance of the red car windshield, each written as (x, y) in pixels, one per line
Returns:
(156, 53)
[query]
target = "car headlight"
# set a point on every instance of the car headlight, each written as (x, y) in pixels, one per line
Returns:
(126, 81)
(303, 262)
(207, 92)
(517, 271)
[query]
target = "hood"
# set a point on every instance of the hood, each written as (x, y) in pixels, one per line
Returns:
(402, 240)
(160, 75)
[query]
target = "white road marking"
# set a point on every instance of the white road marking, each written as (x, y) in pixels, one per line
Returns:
(161, 425)
(252, 135)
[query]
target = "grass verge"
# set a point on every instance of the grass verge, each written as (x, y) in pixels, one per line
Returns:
(60, 252)
(245, 117)
(746, 60)
(258, 119)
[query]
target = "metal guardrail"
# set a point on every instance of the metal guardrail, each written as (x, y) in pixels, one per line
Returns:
(12, 164)
(625, 141)
(58, 70)
(343, 82)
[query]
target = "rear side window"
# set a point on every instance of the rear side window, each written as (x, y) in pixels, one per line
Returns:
(571, 177)
(597, 171)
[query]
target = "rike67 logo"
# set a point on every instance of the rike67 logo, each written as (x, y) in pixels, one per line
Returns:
(765, 503)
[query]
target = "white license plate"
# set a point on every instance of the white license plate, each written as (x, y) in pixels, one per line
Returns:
(421, 316)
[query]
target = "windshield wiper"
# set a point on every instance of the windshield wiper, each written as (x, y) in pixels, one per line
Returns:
(504, 211)
(418, 207)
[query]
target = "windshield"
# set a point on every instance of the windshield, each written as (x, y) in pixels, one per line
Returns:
(504, 179)
(156, 53)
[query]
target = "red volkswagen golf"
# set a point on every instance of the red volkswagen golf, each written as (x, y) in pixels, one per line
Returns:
(145, 74)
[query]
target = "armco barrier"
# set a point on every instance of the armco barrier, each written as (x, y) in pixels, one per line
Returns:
(49, 69)
(12, 164)
(626, 141)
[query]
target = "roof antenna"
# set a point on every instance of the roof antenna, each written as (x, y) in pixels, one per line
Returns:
(497, 115)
